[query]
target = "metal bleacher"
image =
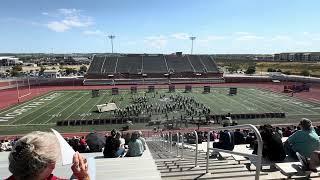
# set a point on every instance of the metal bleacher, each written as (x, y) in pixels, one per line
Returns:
(209, 63)
(197, 64)
(154, 64)
(128, 68)
(131, 65)
(109, 65)
(96, 65)
(179, 63)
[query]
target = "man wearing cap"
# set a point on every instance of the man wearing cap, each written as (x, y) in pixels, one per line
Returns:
(303, 141)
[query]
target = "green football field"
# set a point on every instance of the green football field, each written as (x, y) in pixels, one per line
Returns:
(42, 113)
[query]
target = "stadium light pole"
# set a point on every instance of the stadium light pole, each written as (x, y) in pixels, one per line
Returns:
(192, 38)
(111, 37)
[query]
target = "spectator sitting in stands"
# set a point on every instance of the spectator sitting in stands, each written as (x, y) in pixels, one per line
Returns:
(287, 132)
(34, 157)
(142, 140)
(112, 145)
(303, 141)
(238, 137)
(127, 138)
(121, 150)
(279, 132)
(226, 141)
(83, 145)
(135, 145)
(273, 148)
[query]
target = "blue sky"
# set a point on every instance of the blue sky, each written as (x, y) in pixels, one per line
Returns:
(160, 26)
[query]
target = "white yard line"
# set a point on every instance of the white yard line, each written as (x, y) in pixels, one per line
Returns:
(289, 103)
(51, 108)
(252, 98)
(77, 109)
(65, 108)
(26, 102)
(36, 109)
(99, 101)
(242, 104)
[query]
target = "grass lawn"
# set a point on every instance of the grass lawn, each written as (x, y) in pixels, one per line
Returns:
(43, 112)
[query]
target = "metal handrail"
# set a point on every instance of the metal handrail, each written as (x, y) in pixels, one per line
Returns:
(170, 142)
(182, 145)
(196, 156)
(177, 144)
(259, 153)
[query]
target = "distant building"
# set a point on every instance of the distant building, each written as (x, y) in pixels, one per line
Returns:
(297, 56)
(51, 73)
(9, 61)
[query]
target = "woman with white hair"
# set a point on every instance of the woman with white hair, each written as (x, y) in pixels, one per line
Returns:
(34, 157)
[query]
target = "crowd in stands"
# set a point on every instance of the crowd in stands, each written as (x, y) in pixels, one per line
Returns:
(301, 142)
(132, 145)
(34, 156)
(6, 145)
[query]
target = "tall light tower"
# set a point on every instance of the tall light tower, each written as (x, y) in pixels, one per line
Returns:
(111, 37)
(192, 38)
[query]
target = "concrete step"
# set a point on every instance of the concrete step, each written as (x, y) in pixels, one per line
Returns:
(227, 174)
(192, 165)
(215, 166)
(212, 163)
(203, 168)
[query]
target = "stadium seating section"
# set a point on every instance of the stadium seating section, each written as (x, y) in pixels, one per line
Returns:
(146, 66)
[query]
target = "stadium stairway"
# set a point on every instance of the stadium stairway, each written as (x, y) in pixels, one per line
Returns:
(172, 167)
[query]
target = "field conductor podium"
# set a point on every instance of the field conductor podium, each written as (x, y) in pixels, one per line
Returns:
(188, 89)
(95, 93)
(172, 88)
(206, 89)
(233, 91)
(115, 91)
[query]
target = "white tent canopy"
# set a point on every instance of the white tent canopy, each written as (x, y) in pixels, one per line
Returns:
(107, 107)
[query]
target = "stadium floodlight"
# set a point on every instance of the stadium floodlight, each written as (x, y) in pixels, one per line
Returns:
(111, 37)
(192, 38)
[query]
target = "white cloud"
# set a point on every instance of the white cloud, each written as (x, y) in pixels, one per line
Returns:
(249, 38)
(281, 38)
(181, 36)
(57, 26)
(69, 18)
(213, 37)
(45, 13)
(95, 32)
(242, 33)
(156, 41)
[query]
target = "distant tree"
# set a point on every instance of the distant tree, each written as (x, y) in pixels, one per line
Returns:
(17, 68)
(14, 73)
(287, 72)
(305, 73)
(271, 70)
(251, 69)
(279, 70)
(83, 68)
(70, 71)
(53, 68)
(41, 70)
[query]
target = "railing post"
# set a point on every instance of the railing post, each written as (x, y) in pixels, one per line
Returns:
(208, 144)
(182, 145)
(168, 147)
(170, 133)
(196, 156)
(177, 144)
